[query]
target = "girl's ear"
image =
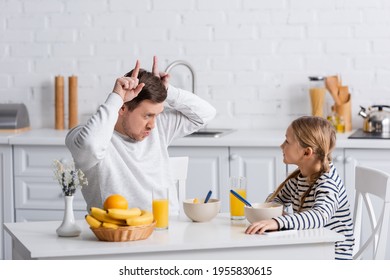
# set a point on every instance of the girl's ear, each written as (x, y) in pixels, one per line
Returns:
(308, 152)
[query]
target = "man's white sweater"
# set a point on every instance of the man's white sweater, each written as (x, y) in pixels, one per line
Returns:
(114, 163)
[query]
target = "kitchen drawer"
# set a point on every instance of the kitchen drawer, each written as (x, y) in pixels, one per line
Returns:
(38, 160)
(44, 215)
(43, 193)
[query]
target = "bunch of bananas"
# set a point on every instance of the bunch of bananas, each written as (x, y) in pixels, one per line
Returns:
(115, 218)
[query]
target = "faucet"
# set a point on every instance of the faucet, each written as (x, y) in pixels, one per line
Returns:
(184, 63)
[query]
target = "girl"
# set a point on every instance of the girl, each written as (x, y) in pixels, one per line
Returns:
(315, 191)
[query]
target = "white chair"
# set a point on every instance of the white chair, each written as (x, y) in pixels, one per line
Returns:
(371, 183)
(179, 168)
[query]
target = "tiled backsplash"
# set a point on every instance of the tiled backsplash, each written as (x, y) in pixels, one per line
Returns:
(251, 57)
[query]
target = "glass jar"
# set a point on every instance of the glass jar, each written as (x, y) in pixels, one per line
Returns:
(317, 95)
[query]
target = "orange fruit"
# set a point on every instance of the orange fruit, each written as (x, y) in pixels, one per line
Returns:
(115, 201)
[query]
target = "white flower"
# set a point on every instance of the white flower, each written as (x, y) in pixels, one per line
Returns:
(69, 177)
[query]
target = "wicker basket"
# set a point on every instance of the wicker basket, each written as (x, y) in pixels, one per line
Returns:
(121, 234)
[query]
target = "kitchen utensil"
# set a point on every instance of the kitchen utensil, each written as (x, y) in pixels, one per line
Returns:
(332, 85)
(208, 196)
(344, 94)
(243, 200)
(59, 103)
(263, 211)
(73, 102)
(201, 212)
(376, 120)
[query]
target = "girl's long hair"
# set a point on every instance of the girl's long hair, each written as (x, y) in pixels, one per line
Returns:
(318, 134)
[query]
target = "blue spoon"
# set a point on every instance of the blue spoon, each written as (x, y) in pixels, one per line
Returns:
(243, 200)
(208, 197)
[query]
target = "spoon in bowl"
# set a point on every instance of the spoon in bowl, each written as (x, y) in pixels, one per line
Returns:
(208, 196)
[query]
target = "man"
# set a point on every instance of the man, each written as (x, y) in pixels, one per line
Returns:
(123, 146)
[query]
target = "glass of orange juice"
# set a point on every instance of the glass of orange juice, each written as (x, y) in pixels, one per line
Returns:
(160, 205)
(238, 184)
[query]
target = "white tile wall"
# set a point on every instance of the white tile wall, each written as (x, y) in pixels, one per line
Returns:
(251, 57)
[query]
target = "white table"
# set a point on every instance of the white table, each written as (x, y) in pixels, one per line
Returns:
(219, 239)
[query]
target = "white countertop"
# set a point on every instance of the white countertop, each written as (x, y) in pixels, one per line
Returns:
(41, 241)
(238, 138)
(5, 136)
(43, 136)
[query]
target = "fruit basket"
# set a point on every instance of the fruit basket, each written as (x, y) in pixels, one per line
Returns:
(121, 234)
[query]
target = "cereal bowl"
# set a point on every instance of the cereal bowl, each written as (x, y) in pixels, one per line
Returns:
(262, 211)
(201, 212)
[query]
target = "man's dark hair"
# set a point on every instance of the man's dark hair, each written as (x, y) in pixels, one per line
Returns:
(154, 90)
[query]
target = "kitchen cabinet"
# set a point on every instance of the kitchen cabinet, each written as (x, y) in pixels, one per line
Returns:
(38, 196)
(6, 201)
(374, 158)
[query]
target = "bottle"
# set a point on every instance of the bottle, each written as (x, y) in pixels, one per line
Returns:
(332, 118)
(340, 128)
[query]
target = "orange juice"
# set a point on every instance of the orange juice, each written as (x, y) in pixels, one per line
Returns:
(236, 206)
(160, 212)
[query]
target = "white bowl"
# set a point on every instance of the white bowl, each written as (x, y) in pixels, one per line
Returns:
(262, 211)
(201, 212)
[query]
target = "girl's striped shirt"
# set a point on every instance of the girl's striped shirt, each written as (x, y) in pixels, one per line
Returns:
(325, 206)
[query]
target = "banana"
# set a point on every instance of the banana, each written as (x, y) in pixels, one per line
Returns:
(123, 214)
(102, 216)
(93, 222)
(146, 218)
(109, 225)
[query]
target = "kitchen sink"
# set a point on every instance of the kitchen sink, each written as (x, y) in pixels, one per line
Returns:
(211, 132)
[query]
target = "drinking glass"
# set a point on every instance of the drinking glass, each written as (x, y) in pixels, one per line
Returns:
(238, 184)
(160, 205)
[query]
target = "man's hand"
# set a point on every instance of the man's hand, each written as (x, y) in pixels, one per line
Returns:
(128, 87)
(262, 226)
(162, 75)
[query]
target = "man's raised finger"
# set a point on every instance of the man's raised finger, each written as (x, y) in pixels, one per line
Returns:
(135, 72)
(155, 67)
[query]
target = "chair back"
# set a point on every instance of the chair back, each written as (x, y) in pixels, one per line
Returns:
(179, 168)
(371, 184)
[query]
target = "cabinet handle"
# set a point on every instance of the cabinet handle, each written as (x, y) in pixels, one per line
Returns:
(348, 159)
(233, 156)
(338, 158)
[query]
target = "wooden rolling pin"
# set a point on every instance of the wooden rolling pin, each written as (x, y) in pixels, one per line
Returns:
(59, 103)
(73, 102)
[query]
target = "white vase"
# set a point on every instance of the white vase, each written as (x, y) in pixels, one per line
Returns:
(68, 227)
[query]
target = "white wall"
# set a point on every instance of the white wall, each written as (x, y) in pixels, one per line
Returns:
(252, 57)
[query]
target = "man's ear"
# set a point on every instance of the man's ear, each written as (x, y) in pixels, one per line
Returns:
(122, 110)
